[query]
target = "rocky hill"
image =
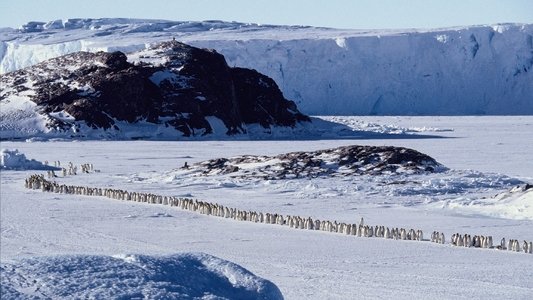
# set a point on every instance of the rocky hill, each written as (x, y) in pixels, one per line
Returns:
(341, 161)
(171, 85)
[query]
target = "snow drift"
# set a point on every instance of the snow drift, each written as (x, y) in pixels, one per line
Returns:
(516, 203)
(457, 71)
(15, 160)
(179, 276)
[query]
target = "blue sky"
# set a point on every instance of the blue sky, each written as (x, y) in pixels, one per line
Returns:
(364, 14)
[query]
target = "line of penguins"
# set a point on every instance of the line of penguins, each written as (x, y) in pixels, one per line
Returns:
(214, 209)
(480, 241)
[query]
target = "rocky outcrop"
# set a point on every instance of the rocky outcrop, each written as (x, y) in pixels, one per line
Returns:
(341, 161)
(171, 84)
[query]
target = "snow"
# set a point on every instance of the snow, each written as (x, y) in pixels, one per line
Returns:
(19, 118)
(161, 76)
(341, 42)
(516, 203)
(488, 158)
(218, 127)
(476, 70)
(357, 124)
(15, 160)
(178, 276)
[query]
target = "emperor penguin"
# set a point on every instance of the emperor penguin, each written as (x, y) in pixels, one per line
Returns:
(459, 241)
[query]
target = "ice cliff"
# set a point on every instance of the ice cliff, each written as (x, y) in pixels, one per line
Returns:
(454, 71)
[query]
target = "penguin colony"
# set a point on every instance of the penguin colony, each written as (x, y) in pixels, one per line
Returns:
(36, 182)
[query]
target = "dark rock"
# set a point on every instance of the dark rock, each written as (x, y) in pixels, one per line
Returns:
(261, 101)
(115, 60)
(172, 84)
(341, 161)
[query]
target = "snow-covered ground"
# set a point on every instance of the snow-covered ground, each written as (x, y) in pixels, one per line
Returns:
(487, 157)
(451, 71)
(179, 276)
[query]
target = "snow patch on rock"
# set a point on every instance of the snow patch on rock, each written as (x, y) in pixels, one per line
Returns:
(161, 76)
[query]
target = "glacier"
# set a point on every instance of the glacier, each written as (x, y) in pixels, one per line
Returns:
(477, 70)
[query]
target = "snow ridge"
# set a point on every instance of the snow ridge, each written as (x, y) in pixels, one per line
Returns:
(178, 276)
